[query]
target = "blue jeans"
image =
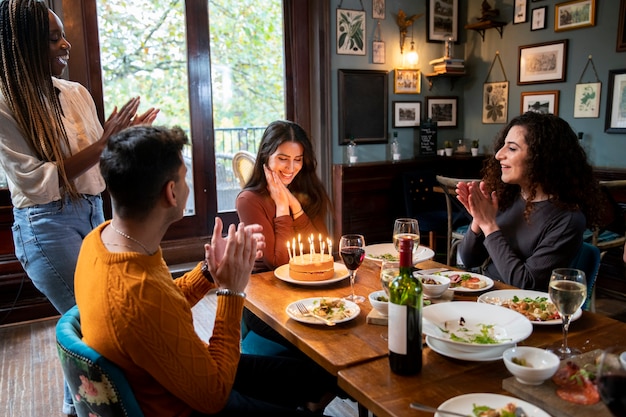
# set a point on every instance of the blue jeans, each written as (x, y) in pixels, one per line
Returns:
(47, 240)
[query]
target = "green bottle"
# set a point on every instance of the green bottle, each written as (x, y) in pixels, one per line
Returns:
(405, 316)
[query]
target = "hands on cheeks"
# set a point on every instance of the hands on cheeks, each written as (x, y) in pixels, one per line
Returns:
(280, 193)
(230, 259)
(481, 204)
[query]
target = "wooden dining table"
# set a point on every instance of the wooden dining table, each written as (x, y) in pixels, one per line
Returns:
(357, 353)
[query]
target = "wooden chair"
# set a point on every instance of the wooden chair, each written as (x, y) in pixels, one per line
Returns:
(243, 165)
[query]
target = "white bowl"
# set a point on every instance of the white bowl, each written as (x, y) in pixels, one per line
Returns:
(540, 364)
(381, 306)
(434, 290)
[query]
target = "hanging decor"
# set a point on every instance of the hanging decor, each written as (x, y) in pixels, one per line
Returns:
(587, 97)
(495, 96)
(351, 31)
(378, 47)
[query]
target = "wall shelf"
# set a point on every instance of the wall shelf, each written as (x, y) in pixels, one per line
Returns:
(482, 26)
(450, 75)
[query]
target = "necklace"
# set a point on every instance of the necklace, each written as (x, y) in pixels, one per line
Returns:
(129, 237)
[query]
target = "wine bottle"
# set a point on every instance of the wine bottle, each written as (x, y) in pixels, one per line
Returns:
(405, 316)
(395, 148)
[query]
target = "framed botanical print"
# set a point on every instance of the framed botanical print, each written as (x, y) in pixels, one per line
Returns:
(587, 100)
(495, 102)
(616, 102)
(519, 12)
(378, 9)
(351, 32)
(539, 18)
(545, 102)
(378, 52)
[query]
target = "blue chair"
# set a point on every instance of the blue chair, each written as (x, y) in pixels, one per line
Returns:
(588, 260)
(98, 386)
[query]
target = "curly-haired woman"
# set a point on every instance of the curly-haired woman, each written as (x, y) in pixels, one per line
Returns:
(537, 196)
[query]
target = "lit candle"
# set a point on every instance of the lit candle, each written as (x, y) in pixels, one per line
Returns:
(311, 249)
(301, 245)
(320, 239)
(289, 250)
(330, 246)
(293, 245)
(323, 247)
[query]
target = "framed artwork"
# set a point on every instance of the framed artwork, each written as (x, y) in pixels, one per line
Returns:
(362, 106)
(378, 52)
(495, 102)
(519, 12)
(350, 32)
(616, 102)
(539, 18)
(542, 63)
(378, 9)
(621, 33)
(587, 100)
(407, 81)
(443, 110)
(442, 20)
(574, 14)
(543, 102)
(406, 113)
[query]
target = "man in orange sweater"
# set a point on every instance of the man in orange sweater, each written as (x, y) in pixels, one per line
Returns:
(136, 315)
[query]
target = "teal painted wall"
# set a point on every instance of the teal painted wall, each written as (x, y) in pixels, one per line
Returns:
(604, 150)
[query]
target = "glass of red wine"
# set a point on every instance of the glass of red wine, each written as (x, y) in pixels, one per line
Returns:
(611, 379)
(352, 251)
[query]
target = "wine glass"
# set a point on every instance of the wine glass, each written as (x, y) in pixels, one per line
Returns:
(568, 290)
(406, 228)
(389, 270)
(352, 251)
(611, 379)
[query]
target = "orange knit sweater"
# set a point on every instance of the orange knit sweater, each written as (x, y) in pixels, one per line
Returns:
(135, 315)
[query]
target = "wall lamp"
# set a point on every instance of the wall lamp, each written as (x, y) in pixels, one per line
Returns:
(403, 25)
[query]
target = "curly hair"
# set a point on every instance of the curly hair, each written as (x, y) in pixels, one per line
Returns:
(306, 186)
(556, 162)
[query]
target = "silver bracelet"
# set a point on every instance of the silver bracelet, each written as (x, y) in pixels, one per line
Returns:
(230, 293)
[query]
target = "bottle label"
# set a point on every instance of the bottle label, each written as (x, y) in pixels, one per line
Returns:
(397, 328)
(396, 156)
(353, 159)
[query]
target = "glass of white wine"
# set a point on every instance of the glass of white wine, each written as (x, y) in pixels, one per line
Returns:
(389, 270)
(568, 291)
(407, 228)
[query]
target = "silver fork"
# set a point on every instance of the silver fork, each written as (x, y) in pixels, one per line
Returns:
(306, 313)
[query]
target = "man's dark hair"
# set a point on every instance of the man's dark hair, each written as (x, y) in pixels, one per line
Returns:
(136, 164)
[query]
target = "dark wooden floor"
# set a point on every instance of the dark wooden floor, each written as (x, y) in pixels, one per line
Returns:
(31, 380)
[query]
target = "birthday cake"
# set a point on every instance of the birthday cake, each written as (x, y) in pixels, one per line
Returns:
(312, 267)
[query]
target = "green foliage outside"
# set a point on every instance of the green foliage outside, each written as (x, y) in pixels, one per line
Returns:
(143, 52)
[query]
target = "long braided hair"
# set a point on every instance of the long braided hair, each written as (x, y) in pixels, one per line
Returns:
(26, 82)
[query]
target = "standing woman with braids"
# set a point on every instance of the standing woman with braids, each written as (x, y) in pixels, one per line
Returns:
(50, 144)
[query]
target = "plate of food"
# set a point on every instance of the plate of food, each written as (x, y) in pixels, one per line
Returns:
(476, 403)
(340, 273)
(387, 251)
(534, 305)
(462, 281)
(486, 355)
(334, 309)
(469, 326)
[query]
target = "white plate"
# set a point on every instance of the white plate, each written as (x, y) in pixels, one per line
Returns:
(487, 280)
(464, 404)
(485, 355)
(341, 272)
(509, 327)
(503, 295)
(423, 253)
(352, 309)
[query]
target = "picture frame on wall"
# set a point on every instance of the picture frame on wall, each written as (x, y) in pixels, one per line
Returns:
(363, 98)
(495, 102)
(351, 32)
(542, 63)
(406, 81)
(621, 33)
(407, 113)
(587, 100)
(616, 102)
(378, 9)
(544, 102)
(519, 12)
(378, 52)
(539, 18)
(443, 110)
(574, 14)
(442, 20)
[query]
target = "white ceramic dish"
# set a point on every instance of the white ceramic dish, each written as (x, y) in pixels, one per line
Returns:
(442, 321)
(292, 311)
(433, 290)
(464, 404)
(488, 281)
(498, 296)
(446, 349)
(540, 364)
(381, 306)
(341, 272)
(373, 252)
